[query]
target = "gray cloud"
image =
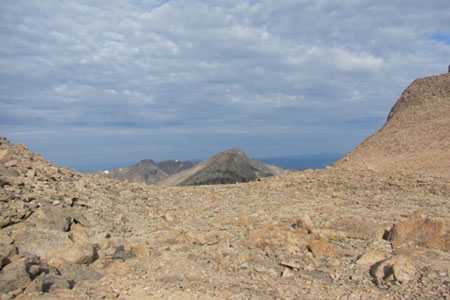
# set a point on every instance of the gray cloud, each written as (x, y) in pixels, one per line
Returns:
(185, 79)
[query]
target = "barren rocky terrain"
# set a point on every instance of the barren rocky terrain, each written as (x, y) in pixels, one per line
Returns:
(374, 226)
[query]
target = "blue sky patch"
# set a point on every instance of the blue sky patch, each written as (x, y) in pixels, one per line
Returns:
(441, 38)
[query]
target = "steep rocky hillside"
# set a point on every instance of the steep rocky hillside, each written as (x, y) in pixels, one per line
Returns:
(416, 136)
(230, 166)
(145, 171)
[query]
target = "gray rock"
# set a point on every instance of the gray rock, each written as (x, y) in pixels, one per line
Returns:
(77, 273)
(120, 253)
(48, 283)
(41, 242)
(14, 276)
(19, 273)
(49, 217)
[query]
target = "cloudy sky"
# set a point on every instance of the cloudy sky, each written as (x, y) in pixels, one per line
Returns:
(94, 84)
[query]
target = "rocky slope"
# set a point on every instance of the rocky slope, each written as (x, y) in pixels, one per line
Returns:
(416, 136)
(230, 166)
(348, 232)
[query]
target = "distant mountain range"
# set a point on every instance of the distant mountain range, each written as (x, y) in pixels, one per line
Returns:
(146, 171)
(226, 167)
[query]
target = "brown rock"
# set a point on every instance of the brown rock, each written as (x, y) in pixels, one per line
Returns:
(397, 268)
(321, 248)
(3, 153)
(358, 228)
(10, 163)
(304, 222)
(77, 253)
(141, 250)
(370, 257)
(31, 173)
(426, 233)
(278, 235)
(202, 238)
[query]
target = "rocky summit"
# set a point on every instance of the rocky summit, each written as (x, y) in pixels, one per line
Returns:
(370, 227)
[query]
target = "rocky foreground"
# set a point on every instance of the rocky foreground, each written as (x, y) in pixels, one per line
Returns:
(325, 234)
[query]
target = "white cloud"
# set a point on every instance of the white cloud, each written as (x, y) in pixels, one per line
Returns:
(165, 66)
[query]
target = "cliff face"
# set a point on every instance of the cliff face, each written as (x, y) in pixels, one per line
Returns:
(416, 135)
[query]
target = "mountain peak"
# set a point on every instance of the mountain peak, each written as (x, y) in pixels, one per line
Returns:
(229, 166)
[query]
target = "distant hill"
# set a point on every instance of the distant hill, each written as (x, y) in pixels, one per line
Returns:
(416, 135)
(146, 171)
(303, 162)
(226, 167)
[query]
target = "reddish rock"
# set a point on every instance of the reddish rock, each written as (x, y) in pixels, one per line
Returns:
(321, 248)
(426, 233)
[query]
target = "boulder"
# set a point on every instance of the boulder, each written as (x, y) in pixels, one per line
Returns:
(321, 248)
(50, 217)
(397, 268)
(74, 272)
(48, 283)
(14, 276)
(370, 257)
(76, 253)
(425, 233)
(304, 222)
(41, 242)
(19, 273)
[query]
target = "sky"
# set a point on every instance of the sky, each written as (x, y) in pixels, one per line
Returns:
(100, 84)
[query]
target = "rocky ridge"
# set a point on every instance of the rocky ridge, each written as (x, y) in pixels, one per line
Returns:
(348, 232)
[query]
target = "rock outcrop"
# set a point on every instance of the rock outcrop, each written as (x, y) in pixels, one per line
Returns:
(416, 136)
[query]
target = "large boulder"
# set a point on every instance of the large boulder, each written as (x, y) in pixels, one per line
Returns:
(425, 233)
